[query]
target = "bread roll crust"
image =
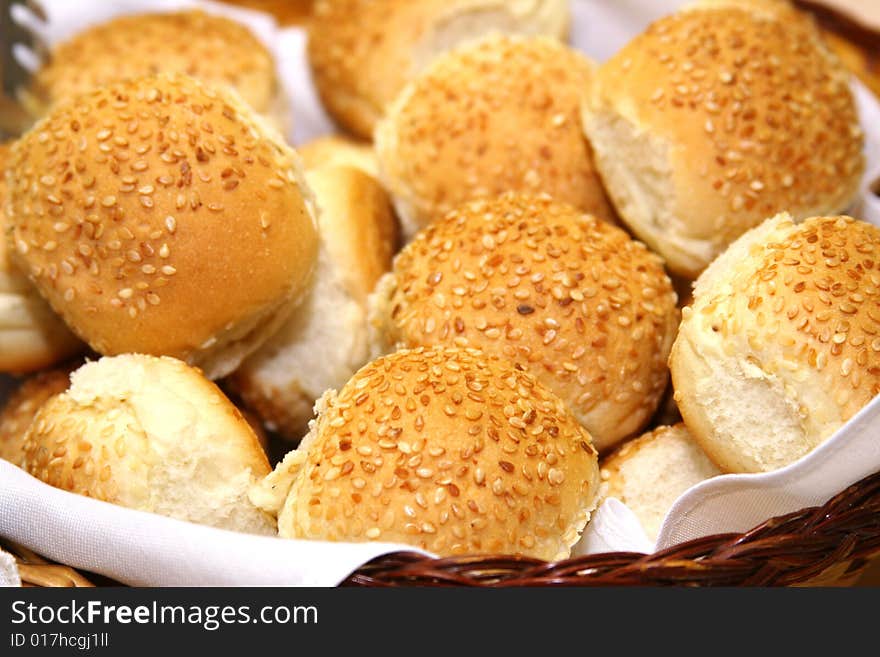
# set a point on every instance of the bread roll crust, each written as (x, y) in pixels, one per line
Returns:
(445, 140)
(150, 434)
(32, 336)
(780, 346)
(160, 216)
(21, 407)
(449, 450)
(714, 119)
(362, 53)
(575, 301)
(214, 49)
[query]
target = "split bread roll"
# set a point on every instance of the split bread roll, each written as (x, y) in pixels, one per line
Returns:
(326, 340)
(21, 407)
(587, 310)
(214, 49)
(649, 473)
(714, 119)
(362, 53)
(495, 116)
(449, 450)
(150, 434)
(158, 215)
(781, 345)
(32, 336)
(336, 150)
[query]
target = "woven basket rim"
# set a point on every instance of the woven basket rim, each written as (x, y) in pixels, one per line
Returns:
(820, 545)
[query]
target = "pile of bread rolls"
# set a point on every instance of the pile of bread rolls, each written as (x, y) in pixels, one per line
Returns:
(515, 282)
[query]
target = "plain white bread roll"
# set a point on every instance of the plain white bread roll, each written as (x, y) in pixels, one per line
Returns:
(714, 119)
(362, 52)
(447, 449)
(32, 336)
(650, 472)
(326, 340)
(498, 115)
(781, 345)
(160, 215)
(151, 434)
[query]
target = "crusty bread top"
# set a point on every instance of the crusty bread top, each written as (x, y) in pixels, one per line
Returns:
(751, 116)
(159, 215)
(448, 449)
(212, 48)
(495, 116)
(574, 300)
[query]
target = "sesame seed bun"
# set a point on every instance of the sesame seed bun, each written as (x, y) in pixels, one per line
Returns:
(362, 53)
(326, 340)
(496, 116)
(780, 346)
(575, 301)
(714, 119)
(449, 450)
(214, 49)
(22, 406)
(650, 472)
(150, 434)
(160, 216)
(330, 150)
(32, 336)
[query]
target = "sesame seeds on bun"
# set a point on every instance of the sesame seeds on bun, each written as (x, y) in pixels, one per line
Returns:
(158, 216)
(20, 409)
(211, 48)
(32, 336)
(450, 450)
(573, 300)
(781, 345)
(362, 53)
(716, 118)
(150, 434)
(494, 116)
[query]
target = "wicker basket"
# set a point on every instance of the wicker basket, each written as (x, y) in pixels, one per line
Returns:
(832, 544)
(828, 545)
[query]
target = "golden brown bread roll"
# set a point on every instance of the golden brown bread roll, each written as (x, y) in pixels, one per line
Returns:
(781, 345)
(362, 53)
(32, 336)
(575, 301)
(158, 215)
(326, 340)
(649, 473)
(449, 450)
(21, 407)
(714, 119)
(150, 434)
(496, 116)
(212, 48)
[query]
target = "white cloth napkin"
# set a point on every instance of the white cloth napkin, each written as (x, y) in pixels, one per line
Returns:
(143, 549)
(8, 570)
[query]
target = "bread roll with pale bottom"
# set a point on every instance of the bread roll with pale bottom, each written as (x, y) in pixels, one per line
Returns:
(325, 341)
(449, 450)
(32, 336)
(781, 345)
(151, 434)
(650, 472)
